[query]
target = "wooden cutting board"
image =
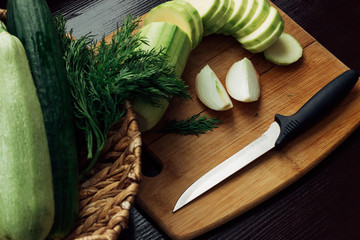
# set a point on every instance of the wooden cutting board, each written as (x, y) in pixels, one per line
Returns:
(283, 90)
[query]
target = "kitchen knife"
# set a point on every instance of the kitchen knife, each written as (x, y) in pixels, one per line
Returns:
(281, 131)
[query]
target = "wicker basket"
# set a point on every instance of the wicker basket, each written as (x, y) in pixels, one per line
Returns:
(108, 192)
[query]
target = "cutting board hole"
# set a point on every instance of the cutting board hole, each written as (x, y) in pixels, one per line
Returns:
(150, 167)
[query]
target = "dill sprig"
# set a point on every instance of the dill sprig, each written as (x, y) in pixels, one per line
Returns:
(102, 76)
(193, 125)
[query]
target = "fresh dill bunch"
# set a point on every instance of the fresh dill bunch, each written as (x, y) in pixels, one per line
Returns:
(194, 125)
(103, 75)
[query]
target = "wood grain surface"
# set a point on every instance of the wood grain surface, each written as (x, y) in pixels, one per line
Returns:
(185, 158)
(324, 203)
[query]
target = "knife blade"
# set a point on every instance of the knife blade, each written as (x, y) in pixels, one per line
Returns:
(280, 132)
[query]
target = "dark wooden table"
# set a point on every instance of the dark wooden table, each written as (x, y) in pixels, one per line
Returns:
(325, 203)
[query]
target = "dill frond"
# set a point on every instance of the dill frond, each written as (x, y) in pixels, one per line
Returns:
(103, 75)
(194, 125)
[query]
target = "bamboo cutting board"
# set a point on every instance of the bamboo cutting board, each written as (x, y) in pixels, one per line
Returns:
(283, 90)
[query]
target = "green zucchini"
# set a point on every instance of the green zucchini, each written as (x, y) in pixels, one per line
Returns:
(26, 190)
(176, 44)
(31, 21)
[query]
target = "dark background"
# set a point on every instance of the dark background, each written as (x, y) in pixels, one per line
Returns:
(325, 203)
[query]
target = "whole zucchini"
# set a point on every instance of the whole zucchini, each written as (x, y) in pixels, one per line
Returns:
(31, 21)
(26, 190)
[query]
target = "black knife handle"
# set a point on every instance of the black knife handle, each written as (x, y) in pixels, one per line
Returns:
(319, 105)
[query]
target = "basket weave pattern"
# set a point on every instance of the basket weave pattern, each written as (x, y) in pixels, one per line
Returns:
(107, 196)
(107, 193)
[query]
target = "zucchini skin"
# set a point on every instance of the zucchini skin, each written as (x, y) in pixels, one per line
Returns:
(177, 45)
(31, 21)
(26, 190)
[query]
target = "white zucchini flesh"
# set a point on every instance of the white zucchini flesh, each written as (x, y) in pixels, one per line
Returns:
(172, 13)
(206, 8)
(286, 50)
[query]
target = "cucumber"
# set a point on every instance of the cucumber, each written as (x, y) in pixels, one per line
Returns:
(26, 190)
(286, 50)
(178, 15)
(31, 21)
(270, 40)
(262, 11)
(177, 46)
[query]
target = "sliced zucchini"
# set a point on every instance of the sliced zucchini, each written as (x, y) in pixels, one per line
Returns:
(220, 23)
(237, 13)
(172, 39)
(262, 11)
(178, 15)
(199, 29)
(268, 41)
(220, 12)
(245, 18)
(264, 31)
(176, 44)
(286, 50)
(206, 8)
